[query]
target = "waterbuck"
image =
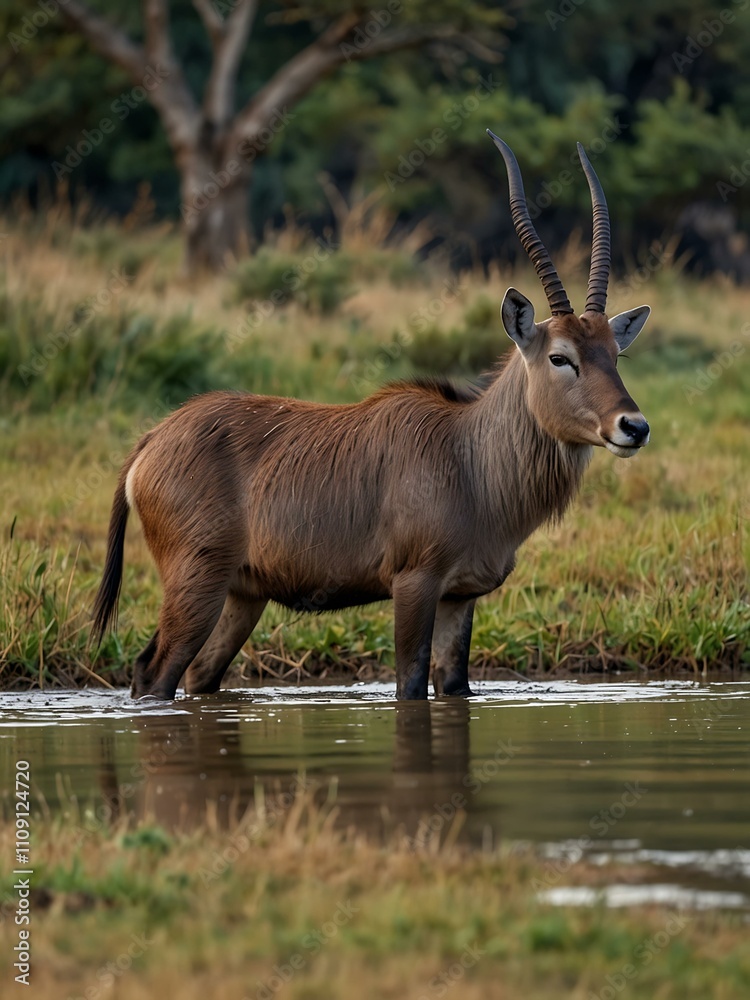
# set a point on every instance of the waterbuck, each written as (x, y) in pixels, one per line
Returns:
(420, 493)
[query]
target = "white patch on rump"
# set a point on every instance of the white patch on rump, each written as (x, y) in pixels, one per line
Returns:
(129, 484)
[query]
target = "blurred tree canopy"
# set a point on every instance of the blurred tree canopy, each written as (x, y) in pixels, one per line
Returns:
(659, 94)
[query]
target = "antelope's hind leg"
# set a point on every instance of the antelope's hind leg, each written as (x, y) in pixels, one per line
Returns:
(238, 619)
(142, 667)
(186, 620)
(451, 642)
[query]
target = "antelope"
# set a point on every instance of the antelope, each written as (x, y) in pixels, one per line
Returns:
(420, 493)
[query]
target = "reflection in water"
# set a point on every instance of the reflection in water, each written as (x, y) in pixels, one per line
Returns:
(431, 763)
(549, 763)
(190, 769)
(111, 797)
(197, 766)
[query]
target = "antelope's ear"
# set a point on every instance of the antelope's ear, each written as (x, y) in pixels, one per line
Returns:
(518, 318)
(626, 326)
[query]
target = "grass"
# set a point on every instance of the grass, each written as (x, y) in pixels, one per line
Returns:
(300, 907)
(100, 336)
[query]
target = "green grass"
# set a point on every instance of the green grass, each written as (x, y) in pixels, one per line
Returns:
(648, 571)
(231, 912)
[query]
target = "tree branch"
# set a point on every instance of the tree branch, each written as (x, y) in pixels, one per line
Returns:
(319, 59)
(151, 66)
(108, 40)
(156, 28)
(171, 97)
(294, 79)
(403, 38)
(476, 47)
(229, 46)
(213, 22)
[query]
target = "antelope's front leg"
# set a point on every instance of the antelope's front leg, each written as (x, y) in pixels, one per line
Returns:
(451, 641)
(415, 598)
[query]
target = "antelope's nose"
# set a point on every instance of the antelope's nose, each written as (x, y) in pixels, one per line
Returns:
(636, 429)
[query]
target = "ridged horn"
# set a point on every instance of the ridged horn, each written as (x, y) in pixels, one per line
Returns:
(553, 288)
(601, 252)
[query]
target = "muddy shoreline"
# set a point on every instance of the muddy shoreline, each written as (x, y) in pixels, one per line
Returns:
(261, 668)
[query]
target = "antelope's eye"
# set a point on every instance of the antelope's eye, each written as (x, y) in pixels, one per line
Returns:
(559, 361)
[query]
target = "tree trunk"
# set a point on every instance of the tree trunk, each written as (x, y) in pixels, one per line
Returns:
(215, 213)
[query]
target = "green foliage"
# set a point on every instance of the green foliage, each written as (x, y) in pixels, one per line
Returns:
(549, 932)
(45, 360)
(472, 347)
(319, 281)
(128, 357)
(151, 838)
(105, 245)
(683, 148)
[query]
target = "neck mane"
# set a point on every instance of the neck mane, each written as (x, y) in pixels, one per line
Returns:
(523, 475)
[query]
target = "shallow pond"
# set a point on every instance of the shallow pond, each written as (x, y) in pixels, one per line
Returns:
(655, 775)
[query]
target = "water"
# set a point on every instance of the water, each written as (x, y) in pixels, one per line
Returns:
(653, 775)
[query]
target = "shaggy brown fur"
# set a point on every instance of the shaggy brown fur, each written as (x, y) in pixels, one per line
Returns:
(420, 493)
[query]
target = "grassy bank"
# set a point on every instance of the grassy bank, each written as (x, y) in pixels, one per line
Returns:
(100, 336)
(301, 911)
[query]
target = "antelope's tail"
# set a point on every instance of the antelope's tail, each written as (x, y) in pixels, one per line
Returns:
(105, 605)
